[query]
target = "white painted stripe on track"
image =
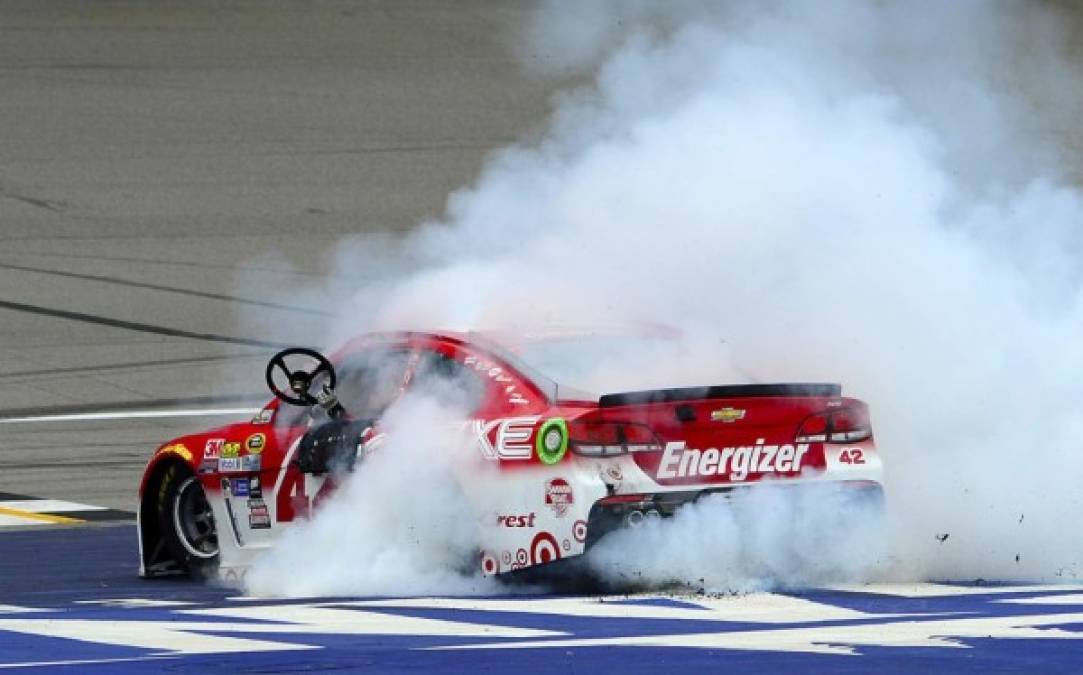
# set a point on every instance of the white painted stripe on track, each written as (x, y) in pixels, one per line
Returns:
(129, 415)
(135, 603)
(86, 662)
(755, 607)
(15, 521)
(1066, 599)
(943, 632)
(48, 506)
(933, 590)
(16, 609)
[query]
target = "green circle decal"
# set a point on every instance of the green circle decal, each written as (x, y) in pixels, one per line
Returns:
(552, 441)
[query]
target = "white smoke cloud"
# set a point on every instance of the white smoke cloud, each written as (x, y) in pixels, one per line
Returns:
(767, 537)
(398, 525)
(848, 192)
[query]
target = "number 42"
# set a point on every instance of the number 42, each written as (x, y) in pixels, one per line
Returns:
(852, 456)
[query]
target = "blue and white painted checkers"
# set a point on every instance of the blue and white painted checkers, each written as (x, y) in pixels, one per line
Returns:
(127, 625)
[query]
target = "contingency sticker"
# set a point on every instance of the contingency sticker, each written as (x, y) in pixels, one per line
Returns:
(213, 448)
(239, 487)
(255, 443)
(247, 464)
(259, 518)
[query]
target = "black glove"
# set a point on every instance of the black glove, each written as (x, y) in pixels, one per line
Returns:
(331, 447)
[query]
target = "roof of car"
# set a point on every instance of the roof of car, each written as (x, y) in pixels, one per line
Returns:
(506, 343)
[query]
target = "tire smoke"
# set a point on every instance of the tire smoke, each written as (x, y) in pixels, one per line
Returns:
(853, 192)
(398, 525)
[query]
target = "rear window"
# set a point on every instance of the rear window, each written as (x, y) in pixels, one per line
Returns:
(593, 363)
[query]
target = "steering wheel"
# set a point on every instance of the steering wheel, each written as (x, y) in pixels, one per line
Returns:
(300, 379)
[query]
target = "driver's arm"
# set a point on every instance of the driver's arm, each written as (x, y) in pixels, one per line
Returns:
(327, 400)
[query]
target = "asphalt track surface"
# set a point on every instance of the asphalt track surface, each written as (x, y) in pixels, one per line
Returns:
(174, 176)
(174, 180)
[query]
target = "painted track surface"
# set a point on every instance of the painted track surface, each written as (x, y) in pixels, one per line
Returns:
(85, 611)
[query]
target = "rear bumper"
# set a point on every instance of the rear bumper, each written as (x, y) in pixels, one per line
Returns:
(619, 511)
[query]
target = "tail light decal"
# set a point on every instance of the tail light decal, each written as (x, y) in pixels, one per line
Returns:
(844, 425)
(607, 439)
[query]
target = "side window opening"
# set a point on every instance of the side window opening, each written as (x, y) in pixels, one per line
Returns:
(369, 382)
(448, 381)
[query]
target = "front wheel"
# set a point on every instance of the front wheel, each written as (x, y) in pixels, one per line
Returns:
(187, 521)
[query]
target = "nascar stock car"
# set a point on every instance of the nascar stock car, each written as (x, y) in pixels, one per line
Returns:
(564, 467)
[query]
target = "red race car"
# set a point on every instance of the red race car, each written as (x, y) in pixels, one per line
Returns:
(566, 467)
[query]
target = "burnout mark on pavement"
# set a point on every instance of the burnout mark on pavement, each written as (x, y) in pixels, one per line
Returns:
(21, 511)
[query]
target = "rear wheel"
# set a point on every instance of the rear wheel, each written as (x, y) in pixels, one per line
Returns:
(187, 522)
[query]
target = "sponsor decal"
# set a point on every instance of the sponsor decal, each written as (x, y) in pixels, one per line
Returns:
(255, 443)
(727, 415)
(552, 441)
(505, 438)
(227, 491)
(239, 487)
(246, 464)
(679, 461)
(231, 449)
(177, 449)
(255, 488)
(263, 416)
(558, 496)
(259, 518)
(516, 521)
(611, 476)
(213, 448)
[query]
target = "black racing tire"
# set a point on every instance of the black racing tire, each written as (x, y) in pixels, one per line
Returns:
(186, 522)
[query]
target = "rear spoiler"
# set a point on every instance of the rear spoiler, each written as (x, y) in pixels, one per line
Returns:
(722, 391)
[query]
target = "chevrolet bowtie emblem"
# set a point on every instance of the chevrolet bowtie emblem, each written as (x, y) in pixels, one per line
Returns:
(727, 415)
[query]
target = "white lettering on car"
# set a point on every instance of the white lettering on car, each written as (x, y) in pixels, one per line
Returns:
(512, 440)
(680, 461)
(496, 374)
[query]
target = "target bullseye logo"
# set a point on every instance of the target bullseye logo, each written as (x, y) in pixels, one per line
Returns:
(544, 549)
(489, 564)
(579, 531)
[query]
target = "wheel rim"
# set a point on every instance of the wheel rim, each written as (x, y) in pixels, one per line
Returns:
(194, 520)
